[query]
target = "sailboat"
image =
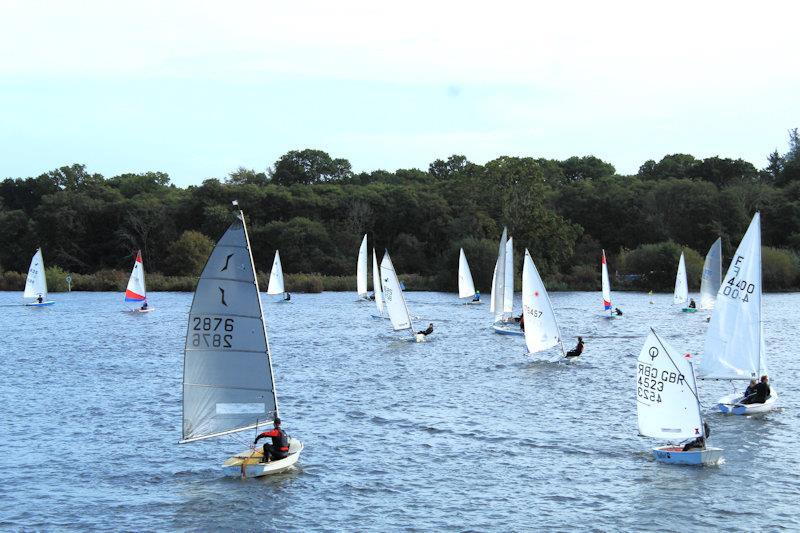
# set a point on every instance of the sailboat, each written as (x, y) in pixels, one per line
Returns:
(36, 283)
(541, 327)
(228, 382)
(276, 285)
(734, 344)
(361, 271)
(376, 287)
(136, 291)
(606, 287)
(466, 287)
(712, 276)
(681, 295)
(503, 289)
(498, 280)
(394, 299)
(667, 405)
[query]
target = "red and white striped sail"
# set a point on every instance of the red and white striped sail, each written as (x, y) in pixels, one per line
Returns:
(136, 291)
(606, 284)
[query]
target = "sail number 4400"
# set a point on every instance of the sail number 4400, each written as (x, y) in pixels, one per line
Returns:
(212, 332)
(741, 290)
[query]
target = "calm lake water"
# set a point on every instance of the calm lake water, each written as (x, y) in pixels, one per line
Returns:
(462, 433)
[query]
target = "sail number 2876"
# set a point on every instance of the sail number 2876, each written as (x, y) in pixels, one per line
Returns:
(212, 332)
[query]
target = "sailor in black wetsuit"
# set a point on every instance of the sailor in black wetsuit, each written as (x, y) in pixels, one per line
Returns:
(617, 311)
(279, 447)
(761, 394)
(426, 332)
(578, 349)
(692, 305)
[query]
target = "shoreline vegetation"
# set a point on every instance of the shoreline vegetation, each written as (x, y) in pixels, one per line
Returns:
(315, 210)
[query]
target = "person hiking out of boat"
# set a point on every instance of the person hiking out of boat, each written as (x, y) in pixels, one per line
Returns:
(287, 296)
(700, 442)
(617, 311)
(426, 332)
(477, 297)
(577, 350)
(279, 447)
(761, 394)
(39, 299)
(692, 305)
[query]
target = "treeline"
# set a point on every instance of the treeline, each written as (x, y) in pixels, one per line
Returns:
(315, 209)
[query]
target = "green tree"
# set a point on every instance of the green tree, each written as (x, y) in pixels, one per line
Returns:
(188, 254)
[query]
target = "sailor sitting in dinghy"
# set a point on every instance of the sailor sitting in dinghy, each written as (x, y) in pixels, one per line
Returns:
(700, 442)
(39, 299)
(692, 304)
(477, 296)
(762, 392)
(279, 448)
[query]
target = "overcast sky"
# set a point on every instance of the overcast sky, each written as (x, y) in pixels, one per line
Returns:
(197, 89)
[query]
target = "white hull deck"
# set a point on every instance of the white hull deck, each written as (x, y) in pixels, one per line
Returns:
(247, 464)
(676, 456)
(730, 405)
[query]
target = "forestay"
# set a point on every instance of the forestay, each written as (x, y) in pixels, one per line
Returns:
(466, 287)
(361, 268)
(666, 401)
(541, 327)
(276, 276)
(36, 283)
(606, 284)
(227, 370)
(712, 275)
(376, 283)
(734, 345)
(681, 295)
(136, 292)
(508, 284)
(498, 286)
(393, 296)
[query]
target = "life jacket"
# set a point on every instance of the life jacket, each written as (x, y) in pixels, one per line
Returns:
(281, 441)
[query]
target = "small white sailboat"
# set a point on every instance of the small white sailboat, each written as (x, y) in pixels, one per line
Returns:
(136, 290)
(667, 405)
(734, 344)
(503, 289)
(276, 285)
(606, 286)
(36, 283)
(499, 279)
(712, 276)
(376, 287)
(681, 295)
(466, 287)
(361, 271)
(395, 300)
(228, 383)
(541, 327)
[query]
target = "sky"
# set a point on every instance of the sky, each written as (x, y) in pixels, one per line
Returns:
(198, 89)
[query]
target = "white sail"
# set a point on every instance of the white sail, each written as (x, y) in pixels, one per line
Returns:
(376, 283)
(361, 269)
(498, 287)
(393, 295)
(466, 287)
(666, 393)
(606, 284)
(36, 283)
(681, 295)
(734, 345)
(136, 291)
(491, 298)
(227, 369)
(508, 285)
(541, 327)
(712, 275)
(276, 276)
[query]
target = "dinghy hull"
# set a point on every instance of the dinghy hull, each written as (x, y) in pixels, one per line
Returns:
(730, 405)
(505, 330)
(689, 310)
(675, 455)
(37, 304)
(247, 464)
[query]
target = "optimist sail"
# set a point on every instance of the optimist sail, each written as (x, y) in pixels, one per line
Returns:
(498, 285)
(466, 287)
(666, 393)
(227, 366)
(681, 295)
(393, 295)
(712, 276)
(376, 283)
(606, 284)
(36, 283)
(541, 327)
(734, 345)
(276, 276)
(136, 292)
(508, 292)
(361, 268)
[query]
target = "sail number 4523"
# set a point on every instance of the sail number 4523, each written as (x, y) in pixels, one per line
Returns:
(212, 332)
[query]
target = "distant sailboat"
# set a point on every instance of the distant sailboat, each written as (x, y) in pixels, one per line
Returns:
(541, 327)
(376, 286)
(276, 285)
(508, 285)
(734, 344)
(606, 286)
(712, 276)
(395, 300)
(228, 382)
(361, 270)
(667, 405)
(36, 283)
(136, 290)
(498, 279)
(503, 289)
(681, 295)
(466, 287)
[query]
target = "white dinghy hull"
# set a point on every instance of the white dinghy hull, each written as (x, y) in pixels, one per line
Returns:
(508, 330)
(730, 405)
(247, 464)
(37, 304)
(675, 455)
